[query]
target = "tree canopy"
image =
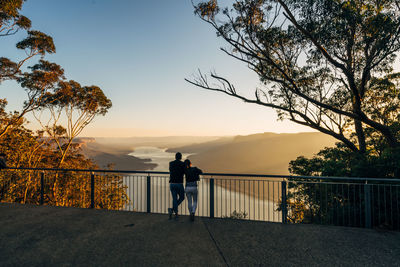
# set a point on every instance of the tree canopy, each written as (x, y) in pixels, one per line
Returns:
(328, 65)
(48, 91)
(324, 64)
(44, 82)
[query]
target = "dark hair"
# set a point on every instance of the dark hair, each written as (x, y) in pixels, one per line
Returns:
(187, 163)
(178, 155)
(2, 155)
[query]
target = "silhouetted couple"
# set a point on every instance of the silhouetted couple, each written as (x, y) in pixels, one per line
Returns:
(177, 170)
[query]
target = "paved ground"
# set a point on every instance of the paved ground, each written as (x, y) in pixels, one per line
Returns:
(48, 236)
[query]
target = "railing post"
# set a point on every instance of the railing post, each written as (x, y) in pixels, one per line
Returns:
(41, 188)
(284, 202)
(148, 193)
(92, 190)
(212, 198)
(367, 202)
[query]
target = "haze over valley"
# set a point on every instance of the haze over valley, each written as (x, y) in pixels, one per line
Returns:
(265, 153)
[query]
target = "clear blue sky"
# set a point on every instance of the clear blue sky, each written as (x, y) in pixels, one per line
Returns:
(139, 53)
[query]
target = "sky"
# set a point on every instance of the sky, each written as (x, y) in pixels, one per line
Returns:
(139, 53)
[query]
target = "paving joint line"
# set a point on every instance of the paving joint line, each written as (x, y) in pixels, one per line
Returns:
(215, 243)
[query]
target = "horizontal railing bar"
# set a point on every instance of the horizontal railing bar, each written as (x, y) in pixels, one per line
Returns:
(84, 170)
(219, 174)
(337, 183)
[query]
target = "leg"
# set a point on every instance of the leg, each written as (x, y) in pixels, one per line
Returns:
(194, 194)
(174, 194)
(181, 192)
(189, 198)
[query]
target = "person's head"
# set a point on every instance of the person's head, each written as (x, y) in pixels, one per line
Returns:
(178, 156)
(2, 155)
(188, 163)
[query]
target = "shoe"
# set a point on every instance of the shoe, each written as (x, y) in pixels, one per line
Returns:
(192, 217)
(170, 213)
(176, 216)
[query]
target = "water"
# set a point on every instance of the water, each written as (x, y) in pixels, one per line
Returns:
(160, 156)
(230, 195)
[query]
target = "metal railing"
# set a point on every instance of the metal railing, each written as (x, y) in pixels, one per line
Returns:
(357, 202)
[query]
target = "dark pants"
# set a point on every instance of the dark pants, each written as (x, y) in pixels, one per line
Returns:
(177, 190)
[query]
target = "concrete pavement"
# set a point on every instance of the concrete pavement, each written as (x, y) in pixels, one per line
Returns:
(48, 236)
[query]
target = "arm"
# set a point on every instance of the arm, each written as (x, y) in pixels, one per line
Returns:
(170, 171)
(198, 173)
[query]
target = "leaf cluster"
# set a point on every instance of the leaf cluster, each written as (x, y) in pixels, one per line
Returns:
(10, 18)
(340, 161)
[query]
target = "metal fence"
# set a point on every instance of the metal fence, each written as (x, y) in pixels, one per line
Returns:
(357, 202)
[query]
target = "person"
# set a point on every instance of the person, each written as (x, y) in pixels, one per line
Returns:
(192, 175)
(3, 163)
(176, 171)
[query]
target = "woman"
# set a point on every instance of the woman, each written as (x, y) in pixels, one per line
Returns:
(192, 175)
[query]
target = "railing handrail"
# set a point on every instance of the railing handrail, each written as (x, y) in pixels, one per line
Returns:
(275, 176)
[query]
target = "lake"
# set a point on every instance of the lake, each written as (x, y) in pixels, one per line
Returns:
(159, 156)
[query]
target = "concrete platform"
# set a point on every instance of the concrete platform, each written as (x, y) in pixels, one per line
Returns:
(48, 236)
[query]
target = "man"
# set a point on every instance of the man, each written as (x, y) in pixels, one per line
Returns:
(176, 171)
(3, 161)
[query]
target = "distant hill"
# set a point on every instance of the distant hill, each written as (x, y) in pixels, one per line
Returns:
(105, 155)
(266, 153)
(161, 142)
(202, 147)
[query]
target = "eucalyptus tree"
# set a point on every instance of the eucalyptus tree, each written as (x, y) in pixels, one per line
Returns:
(64, 102)
(11, 21)
(321, 63)
(69, 108)
(37, 83)
(35, 43)
(45, 84)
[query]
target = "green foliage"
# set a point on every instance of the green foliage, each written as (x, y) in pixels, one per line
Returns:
(342, 162)
(37, 43)
(10, 8)
(72, 95)
(207, 9)
(8, 68)
(10, 18)
(329, 202)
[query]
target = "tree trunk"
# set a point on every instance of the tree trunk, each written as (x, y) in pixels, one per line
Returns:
(64, 153)
(360, 136)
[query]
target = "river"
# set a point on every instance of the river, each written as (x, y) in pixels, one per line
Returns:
(159, 156)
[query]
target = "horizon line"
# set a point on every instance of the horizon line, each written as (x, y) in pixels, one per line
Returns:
(182, 136)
